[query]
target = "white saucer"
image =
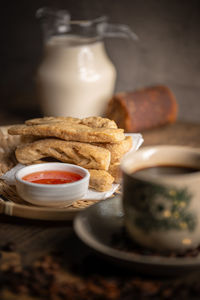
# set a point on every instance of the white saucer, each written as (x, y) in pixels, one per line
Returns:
(96, 225)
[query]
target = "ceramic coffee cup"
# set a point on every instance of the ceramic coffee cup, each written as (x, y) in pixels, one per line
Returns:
(161, 197)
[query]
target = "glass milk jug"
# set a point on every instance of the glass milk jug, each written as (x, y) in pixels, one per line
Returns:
(76, 77)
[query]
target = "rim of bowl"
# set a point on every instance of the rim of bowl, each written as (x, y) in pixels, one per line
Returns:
(42, 185)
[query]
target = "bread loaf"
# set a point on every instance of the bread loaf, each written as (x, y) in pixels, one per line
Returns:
(143, 109)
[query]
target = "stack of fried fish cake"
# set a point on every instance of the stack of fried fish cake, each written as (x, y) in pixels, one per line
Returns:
(94, 143)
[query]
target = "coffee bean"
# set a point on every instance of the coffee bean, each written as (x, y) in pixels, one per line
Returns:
(9, 247)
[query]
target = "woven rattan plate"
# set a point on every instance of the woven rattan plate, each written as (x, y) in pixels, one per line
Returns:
(11, 204)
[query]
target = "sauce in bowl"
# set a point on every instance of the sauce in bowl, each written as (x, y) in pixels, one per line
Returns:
(52, 177)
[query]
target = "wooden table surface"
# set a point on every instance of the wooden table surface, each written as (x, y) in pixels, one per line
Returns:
(179, 133)
(41, 260)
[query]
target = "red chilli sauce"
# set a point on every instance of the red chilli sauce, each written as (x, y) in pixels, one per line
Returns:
(52, 177)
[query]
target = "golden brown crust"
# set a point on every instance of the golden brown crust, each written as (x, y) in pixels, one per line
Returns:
(100, 180)
(98, 122)
(117, 150)
(115, 171)
(82, 154)
(49, 120)
(70, 132)
(94, 122)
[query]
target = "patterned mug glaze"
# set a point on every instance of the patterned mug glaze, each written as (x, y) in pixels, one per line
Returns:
(162, 212)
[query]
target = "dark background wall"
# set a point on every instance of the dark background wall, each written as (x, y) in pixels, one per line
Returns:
(168, 51)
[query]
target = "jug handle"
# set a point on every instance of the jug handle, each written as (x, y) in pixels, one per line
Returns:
(116, 30)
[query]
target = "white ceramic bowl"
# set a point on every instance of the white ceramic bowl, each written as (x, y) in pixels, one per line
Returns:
(52, 194)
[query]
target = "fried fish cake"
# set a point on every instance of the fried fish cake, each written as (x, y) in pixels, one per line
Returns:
(98, 122)
(82, 154)
(117, 150)
(115, 171)
(48, 120)
(94, 122)
(100, 180)
(70, 132)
